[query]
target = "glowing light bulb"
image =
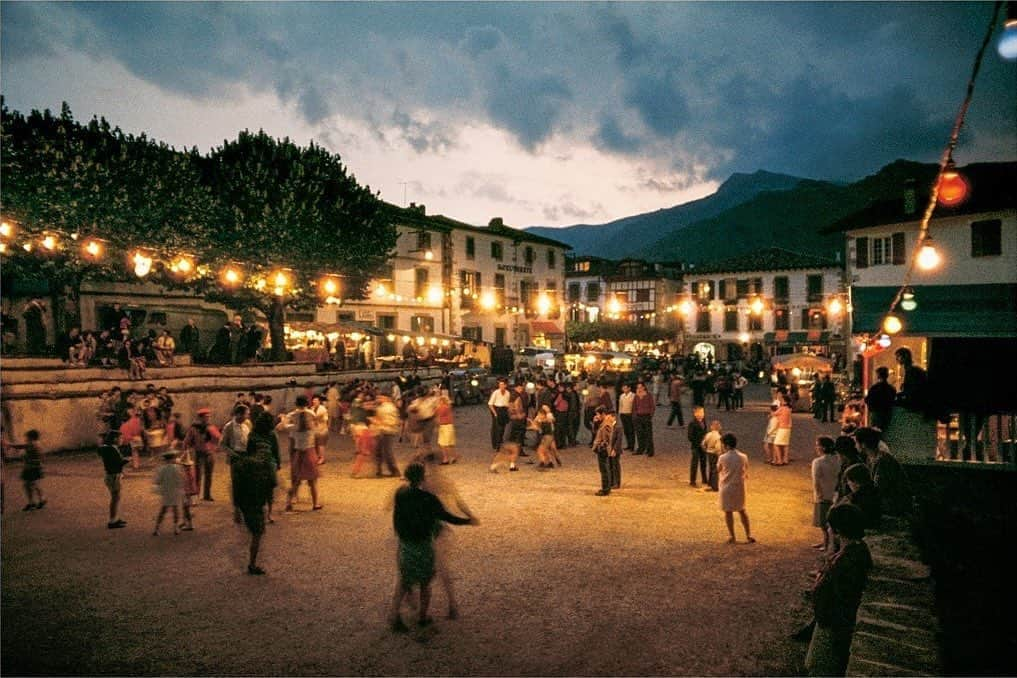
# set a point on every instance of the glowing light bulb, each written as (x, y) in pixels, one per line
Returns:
(232, 276)
(281, 279)
(953, 189)
(434, 294)
(3, 248)
(6, 230)
(1007, 45)
(487, 301)
(928, 256)
(685, 308)
(884, 341)
(330, 286)
(614, 306)
(744, 337)
(892, 324)
(543, 304)
(835, 307)
(93, 249)
(380, 290)
(142, 264)
(757, 306)
(27, 247)
(49, 242)
(429, 255)
(908, 302)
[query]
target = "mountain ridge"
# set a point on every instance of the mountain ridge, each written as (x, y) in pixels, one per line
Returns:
(748, 212)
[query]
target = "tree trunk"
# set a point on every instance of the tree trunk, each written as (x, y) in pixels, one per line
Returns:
(276, 320)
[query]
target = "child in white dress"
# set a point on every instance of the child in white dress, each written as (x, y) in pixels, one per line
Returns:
(733, 469)
(169, 485)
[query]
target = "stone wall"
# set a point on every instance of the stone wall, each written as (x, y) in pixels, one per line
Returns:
(62, 402)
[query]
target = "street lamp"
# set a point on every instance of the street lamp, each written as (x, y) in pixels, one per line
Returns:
(233, 276)
(92, 249)
(142, 263)
(543, 304)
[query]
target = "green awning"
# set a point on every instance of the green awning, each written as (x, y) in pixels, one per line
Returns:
(943, 310)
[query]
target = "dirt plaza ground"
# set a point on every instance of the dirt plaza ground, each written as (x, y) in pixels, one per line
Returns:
(554, 581)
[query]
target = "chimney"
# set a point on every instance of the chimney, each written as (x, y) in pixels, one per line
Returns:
(910, 197)
(496, 222)
(419, 209)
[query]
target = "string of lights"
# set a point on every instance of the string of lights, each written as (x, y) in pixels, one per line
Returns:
(949, 188)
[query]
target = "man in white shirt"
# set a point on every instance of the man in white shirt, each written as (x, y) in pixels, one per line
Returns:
(625, 402)
(498, 404)
(234, 442)
(320, 413)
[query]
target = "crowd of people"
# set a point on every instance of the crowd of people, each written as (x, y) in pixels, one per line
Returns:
(856, 480)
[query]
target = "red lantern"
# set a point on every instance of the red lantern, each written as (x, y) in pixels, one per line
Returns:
(953, 189)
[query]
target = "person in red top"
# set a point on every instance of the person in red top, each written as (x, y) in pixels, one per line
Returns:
(203, 438)
(782, 439)
(132, 434)
(446, 431)
(643, 408)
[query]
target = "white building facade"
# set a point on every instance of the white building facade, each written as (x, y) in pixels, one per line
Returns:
(764, 303)
(448, 279)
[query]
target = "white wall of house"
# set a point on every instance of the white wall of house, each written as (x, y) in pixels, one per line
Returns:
(399, 301)
(953, 239)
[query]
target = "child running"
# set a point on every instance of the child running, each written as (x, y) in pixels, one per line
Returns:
(169, 485)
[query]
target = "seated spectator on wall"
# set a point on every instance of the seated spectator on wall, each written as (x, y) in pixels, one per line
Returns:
(164, 349)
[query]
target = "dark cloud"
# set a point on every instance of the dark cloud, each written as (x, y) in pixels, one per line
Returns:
(423, 137)
(610, 136)
(806, 88)
(480, 39)
(658, 99)
(528, 106)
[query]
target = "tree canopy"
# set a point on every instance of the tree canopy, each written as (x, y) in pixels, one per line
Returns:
(264, 203)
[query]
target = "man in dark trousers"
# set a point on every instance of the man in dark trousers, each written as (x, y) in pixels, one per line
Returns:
(696, 432)
(880, 399)
(827, 399)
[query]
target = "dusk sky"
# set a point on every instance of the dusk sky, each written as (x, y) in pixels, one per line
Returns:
(543, 113)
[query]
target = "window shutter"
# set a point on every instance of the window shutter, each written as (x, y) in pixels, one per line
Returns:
(899, 255)
(477, 282)
(695, 289)
(713, 292)
(723, 289)
(861, 252)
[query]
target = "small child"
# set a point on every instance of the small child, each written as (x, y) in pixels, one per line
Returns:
(32, 471)
(713, 448)
(446, 431)
(190, 488)
(169, 484)
(547, 452)
(366, 442)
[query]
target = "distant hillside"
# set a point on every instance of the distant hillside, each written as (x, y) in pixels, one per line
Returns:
(792, 219)
(748, 212)
(629, 236)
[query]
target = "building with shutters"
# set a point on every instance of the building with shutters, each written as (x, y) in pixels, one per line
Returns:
(447, 279)
(764, 303)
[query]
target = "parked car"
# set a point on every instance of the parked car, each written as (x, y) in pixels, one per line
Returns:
(471, 385)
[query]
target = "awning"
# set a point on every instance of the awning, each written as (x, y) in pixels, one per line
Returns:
(343, 327)
(802, 361)
(545, 327)
(943, 310)
(786, 337)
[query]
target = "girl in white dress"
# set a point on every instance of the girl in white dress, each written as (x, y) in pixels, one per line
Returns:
(733, 469)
